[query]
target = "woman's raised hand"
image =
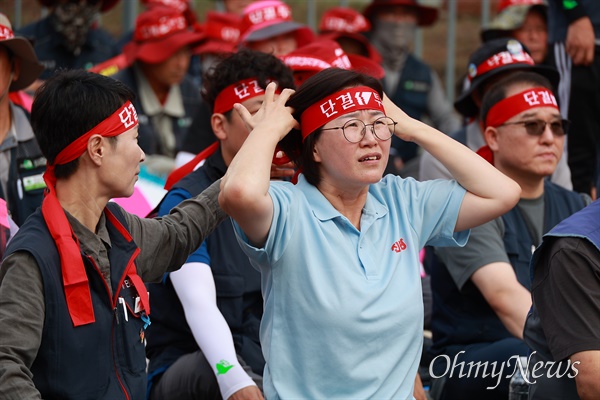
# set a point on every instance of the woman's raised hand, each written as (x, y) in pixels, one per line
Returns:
(405, 124)
(273, 113)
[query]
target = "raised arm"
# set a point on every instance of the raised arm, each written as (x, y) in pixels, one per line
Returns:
(245, 187)
(195, 287)
(490, 192)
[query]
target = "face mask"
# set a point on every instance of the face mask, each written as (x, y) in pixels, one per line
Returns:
(393, 40)
(73, 20)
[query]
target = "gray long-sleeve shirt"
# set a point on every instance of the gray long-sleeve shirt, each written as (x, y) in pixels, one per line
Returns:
(164, 245)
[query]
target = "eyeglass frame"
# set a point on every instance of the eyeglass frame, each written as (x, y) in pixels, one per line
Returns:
(364, 129)
(565, 125)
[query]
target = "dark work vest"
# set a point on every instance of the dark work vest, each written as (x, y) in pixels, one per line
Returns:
(101, 360)
(25, 188)
(584, 224)
(149, 138)
(465, 317)
(411, 96)
(237, 286)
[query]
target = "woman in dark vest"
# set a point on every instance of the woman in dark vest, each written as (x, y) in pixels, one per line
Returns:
(73, 304)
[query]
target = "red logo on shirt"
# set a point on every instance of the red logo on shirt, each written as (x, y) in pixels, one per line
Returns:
(399, 246)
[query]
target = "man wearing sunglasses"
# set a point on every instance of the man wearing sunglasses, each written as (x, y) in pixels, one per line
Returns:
(481, 292)
(492, 61)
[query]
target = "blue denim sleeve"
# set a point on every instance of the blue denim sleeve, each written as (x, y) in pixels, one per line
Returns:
(172, 199)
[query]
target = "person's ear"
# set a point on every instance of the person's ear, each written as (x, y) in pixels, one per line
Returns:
(316, 155)
(219, 125)
(491, 138)
(96, 147)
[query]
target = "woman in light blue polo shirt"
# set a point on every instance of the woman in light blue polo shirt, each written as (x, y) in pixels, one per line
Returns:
(339, 251)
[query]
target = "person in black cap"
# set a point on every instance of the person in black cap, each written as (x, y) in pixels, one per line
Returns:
(69, 37)
(409, 82)
(489, 63)
(21, 161)
(481, 292)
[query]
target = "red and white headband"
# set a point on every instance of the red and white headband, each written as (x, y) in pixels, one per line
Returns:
(265, 15)
(237, 93)
(74, 276)
(162, 27)
(343, 102)
(342, 23)
(117, 123)
(501, 59)
(6, 33)
(513, 105)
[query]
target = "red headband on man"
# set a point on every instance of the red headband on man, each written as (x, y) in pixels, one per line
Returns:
(237, 93)
(513, 105)
(343, 102)
(75, 281)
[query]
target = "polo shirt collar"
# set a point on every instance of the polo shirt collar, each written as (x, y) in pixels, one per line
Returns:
(324, 210)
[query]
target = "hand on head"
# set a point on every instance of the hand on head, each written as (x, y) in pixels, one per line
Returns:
(404, 123)
(273, 112)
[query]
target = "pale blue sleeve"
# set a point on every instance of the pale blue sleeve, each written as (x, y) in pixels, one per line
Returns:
(282, 227)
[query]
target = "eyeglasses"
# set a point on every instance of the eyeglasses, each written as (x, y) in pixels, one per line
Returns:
(537, 127)
(354, 130)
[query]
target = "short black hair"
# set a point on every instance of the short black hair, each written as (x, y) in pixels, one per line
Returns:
(315, 88)
(68, 105)
(497, 92)
(242, 65)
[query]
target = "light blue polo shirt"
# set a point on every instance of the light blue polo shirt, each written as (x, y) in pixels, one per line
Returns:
(343, 312)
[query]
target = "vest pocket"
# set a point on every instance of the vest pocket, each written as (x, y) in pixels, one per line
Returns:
(519, 253)
(130, 333)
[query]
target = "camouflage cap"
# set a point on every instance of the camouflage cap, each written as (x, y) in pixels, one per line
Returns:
(509, 19)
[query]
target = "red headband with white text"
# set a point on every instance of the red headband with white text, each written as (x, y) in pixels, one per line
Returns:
(513, 105)
(343, 102)
(237, 93)
(6, 33)
(498, 60)
(75, 281)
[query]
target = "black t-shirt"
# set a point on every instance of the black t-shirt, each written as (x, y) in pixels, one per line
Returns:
(566, 319)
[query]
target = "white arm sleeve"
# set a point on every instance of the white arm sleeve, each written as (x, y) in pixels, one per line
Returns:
(195, 287)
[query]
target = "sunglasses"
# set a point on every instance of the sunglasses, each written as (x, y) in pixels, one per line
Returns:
(536, 127)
